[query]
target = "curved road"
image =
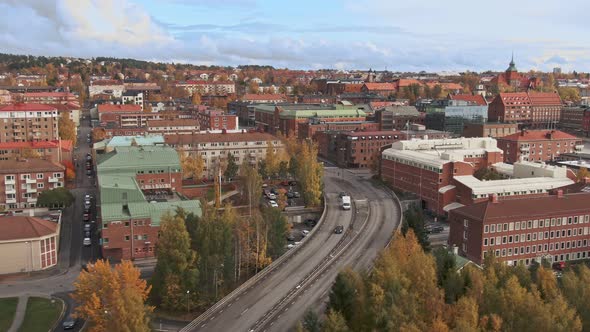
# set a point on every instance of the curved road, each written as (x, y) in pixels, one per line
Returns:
(247, 310)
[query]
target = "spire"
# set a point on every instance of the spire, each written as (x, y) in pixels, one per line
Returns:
(512, 66)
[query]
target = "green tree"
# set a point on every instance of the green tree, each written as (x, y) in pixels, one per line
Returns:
(413, 219)
(53, 198)
(335, 322)
(293, 166)
(283, 169)
(277, 231)
(232, 168)
(576, 290)
(346, 296)
(263, 169)
(569, 94)
(251, 184)
(176, 267)
(311, 321)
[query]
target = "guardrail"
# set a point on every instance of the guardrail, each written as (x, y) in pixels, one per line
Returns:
(260, 275)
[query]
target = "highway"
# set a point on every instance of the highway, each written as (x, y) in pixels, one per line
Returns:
(278, 301)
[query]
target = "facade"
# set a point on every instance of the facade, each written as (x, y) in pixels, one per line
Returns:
(177, 126)
(538, 145)
(215, 120)
(313, 127)
(107, 87)
(529, 109)
(208, 88)
(133, 98)
(56, 151)
(553, 227)
(130, 116)
(513, 80)
(471, 99)
(22, 180)
(382, 89)
(28, 244)
(264, 98)
(397, 117)
(28, 122)
(129, 219)
(427, 167)
(451, 115)
(489, 129)
(572, 118)
(213, 148)
(49, 97)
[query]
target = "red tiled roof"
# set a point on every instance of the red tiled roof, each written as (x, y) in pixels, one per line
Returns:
(538, 135)
(545, 98)
(451, 86)
(27, 108)
(66, 107)
(406, 82)
(380, 86)
(30, 165)
(265, 96)
(477, 99)
(227, 137)
(375, 105)
(526, 208)
(20, 227)
(65, 145)
(352, 88)
(126, 108)
(48, 94)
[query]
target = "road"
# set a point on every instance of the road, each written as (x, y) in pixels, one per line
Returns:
(370, 233)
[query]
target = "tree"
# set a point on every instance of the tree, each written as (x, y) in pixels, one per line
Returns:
(283, 169)
(30, 153)
(263, 169)
(582, 173)
(335, 322)
(251, 183)
(346, 296)
(414, 220)
(147, 108)
(58, 197)
(196, 99)
(311, 321)
(191, 166)
(176, 267)
(271, 160)
(98, 134)
(486, 174)
(70, 174)
(576, 290)
(276, 223)
(569, 94)
(112, 299)
(67, 128)
(310, 173)
(232, 168)
(253, 87)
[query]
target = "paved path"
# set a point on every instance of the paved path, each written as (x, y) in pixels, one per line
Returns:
(19, 316)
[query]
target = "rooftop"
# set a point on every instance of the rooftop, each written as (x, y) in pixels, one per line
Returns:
(29, 165)
(27, 107)
(476, 99)
(265, 96)
(508, 187)
(138, 157)
(125, 108)
(538, 135)
(218, 137)
(21, 228)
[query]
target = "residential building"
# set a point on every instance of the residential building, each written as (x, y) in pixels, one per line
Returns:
(28, 122)
(552, 228)
(26, 80)
(72, 111)
(177, 126)
(538, 145)
(529, 109)
(572, 118)
(397, 117)
(49, 98)
(28, 244)
(22, 180)
(264, 98)
(141, 86)
(129, 218)
(314, 126)
(489, 129)
(112, 88)
(132, 97)
(57, 151)
(214, 148)
(130, 116)
(215, 120)
(208, 88)
(470, 99)
(382, 89)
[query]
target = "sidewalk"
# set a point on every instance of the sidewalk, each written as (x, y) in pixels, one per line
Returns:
(19, 315)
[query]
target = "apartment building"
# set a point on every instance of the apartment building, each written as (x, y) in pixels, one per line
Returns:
(489, 129)
(553, 227)
(538, 145)
(129, 116)
(28, 122)
(572, 118)
(208, 88)
(533, 109)
(132, 98)
(213, 148)
(49, 97)
(112, 88)
(22, 180)
(176, 126)
(57, 151)
(129, 219)
(216, 120)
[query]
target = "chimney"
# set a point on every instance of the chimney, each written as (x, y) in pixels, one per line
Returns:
(559, 193)
(494, 198)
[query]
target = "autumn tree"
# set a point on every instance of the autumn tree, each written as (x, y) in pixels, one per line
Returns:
(576, 290)
(67, 128)
(346, 295)
(582, 173)
(176, 267)
(568, 94)
(335, 322)
(253, 87)
(251, 184)
(30, 153)
(196, 99)
(310, 174)
(98, 134)
(112, 298)
(271, 160)
(192, 167)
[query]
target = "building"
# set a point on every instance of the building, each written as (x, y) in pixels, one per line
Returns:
(57, 151)
(112, 88)
(214, 148)
(28, 122)
(176, 126)
(427, 167)
(109, 144)
(417, 131)
(397, 117)
(215, 120)
(141, 86)
(285, 118)
(130, 116)
(49, 97)
(538, 145)
(529, 109)
(382, 89)
(554, 228)
(515, 81)
(28, 244)
(471, 99)
(133, 98)
(137, 186)
(71, 110)
(311, 128)
(355, 149)
(208, 88)
(572, 118)
(489, 129)
(22, 180)
(452, 114)
(264, 98)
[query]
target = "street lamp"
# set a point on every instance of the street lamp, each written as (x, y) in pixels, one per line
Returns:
(187, 301)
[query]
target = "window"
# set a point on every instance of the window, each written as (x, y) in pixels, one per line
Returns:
(105, 240)
(505, 227)
(145, 237)
(486, 228)
(517, 226)
(39, 175)
(504, 239)
(485, 242)
(493, 228)
(529, 224)
(126, 224)
(40, 185)
(492, 241)
(105, 225)
(126, 237)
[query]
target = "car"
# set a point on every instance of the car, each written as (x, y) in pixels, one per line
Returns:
(87, 234)
(292, 183)
(274, 191)
(88, 140)
(310, 222)
(290, 237)
(87, 241)
(87, 227)
(296, 194)
(559, 266)
(273, 204)
(297, 243)
(86, 216)
(88, 135)
(87, 205)
(87, 197)
(342, 194)
(304, 232)
(272, 196)
(290, 245)
(89, 172)
(431, 228)
(290, 194)
(264, 185)
(88, 157)
(339, 229)
(69, 323)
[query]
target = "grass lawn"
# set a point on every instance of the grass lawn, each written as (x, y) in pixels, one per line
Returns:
(41, 314)
(7, 310)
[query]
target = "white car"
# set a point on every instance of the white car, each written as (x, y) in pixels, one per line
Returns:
(272, 196)
(87, 205)
(304, 232)
(290, 245)
(87, 242)
(273, 204)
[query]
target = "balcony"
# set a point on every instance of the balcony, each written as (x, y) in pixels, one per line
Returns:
(524, 148)
(32, 200)
(11, 190)
(53, 180)
(10, 181)
(31, 181)
(579, 147)
(10, 200)
(30, 190)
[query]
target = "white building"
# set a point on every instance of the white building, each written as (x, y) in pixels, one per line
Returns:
(133, 97)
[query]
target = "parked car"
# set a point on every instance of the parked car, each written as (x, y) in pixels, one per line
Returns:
(69, 323)
(342, 194)
(339, 229)
(296, 194)
(89, 172)
(87, 227)
(559, 266)
(273, 204)
(87, 204)
(87, 197)
(290, 237)
(87, 234)
(431, 228)
(87, 241)
(290, 245)
(304, 232)
(86, 216)
(290, 194)
(292, 183)
(310, 222)
(271, 196)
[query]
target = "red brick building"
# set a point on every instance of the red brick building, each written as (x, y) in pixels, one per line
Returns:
(382, 89)
(49, 150)
(489, 129)
(216, 120)
(22, 180)
(512, 79)
(531, 109)
(472, 99)
(553, 227)
(28, 122)
(177, 126)
(538, 145)
(311, 129)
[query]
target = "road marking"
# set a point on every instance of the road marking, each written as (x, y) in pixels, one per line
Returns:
(243, 312)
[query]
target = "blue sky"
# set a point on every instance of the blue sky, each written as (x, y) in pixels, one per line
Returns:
(411, 35)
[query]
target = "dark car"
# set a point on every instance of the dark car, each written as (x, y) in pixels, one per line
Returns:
(274, 191)
(341, 194)
(86, 217)
(339, 229)
(559, 266)
(292, 183)
(69, 323)
(290, 237)
(310, 222)
(433, 228)
(87, 234)
(290, 194)
(88, 172)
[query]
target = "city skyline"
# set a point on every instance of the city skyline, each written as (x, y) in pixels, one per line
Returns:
(423, 35)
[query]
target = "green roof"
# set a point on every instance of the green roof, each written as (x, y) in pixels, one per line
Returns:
(300, 111)
(136, 159)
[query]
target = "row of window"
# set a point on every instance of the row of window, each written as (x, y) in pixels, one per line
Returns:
(507, 252)
(498, 240)
(533, 224)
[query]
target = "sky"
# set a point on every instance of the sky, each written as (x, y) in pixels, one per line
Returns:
(409, 35)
